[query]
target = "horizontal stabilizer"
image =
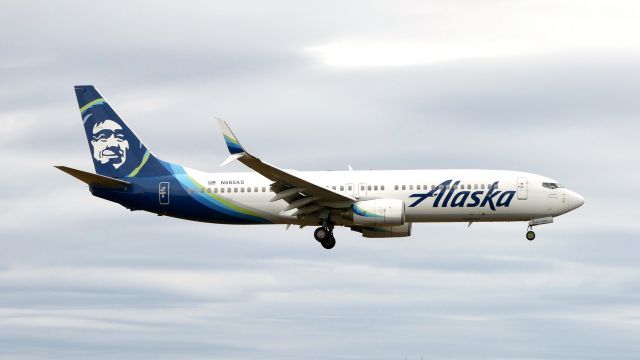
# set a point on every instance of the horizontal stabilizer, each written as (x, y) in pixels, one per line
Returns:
(95, 180)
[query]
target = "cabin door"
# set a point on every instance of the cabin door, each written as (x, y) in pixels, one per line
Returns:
(523, 188)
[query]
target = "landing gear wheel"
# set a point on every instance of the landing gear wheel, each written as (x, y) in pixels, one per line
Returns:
(324, 236)
(531, 235)
(329, 242)
(321, 234)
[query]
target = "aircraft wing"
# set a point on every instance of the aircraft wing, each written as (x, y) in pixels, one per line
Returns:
(300, 193)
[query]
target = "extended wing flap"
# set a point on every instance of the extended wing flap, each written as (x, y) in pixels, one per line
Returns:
(95, 180)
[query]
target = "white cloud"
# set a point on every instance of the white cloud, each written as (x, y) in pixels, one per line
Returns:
(477, 30)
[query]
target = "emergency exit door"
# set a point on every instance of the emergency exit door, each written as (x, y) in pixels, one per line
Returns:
(523, 190)
(361, 190)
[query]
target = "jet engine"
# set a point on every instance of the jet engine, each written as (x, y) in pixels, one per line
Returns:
(384, 231)
(379, 212)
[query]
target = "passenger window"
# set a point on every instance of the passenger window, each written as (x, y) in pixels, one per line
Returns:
(222, 190)
(209, 190)
(249, 189)
(433, 187)
(341, 188)
(333, 187)
(264, 189)
(410, 187)
(255, 189)
(361, 187)
(235, 190)
(382, 187)
(349, 188)
(375, 187)
(417, 187)
(404, 187)
(228, 190)
(369, 187)
(242, 189)
(396, 187)
(475, 186)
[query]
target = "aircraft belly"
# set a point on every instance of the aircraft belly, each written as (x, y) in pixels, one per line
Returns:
(518, 211)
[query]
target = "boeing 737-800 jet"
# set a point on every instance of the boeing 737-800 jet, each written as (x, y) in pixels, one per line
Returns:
(375, 203)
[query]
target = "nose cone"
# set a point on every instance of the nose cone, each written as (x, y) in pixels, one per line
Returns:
(575, 200)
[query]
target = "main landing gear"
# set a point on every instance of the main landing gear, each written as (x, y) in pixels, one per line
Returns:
(324, 235)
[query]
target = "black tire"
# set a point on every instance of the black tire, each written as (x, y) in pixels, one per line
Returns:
(531, 235)
(321, 234)
(329, 242)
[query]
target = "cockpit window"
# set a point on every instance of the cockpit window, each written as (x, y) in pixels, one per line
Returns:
(551, 186)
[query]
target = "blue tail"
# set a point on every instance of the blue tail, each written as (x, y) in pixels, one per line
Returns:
(116, 151)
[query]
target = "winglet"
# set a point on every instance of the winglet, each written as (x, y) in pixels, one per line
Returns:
(232, 141)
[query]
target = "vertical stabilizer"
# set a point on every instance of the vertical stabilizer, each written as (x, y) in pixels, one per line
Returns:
(116, 151)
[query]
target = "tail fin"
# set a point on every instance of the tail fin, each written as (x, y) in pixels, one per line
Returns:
(116, 151)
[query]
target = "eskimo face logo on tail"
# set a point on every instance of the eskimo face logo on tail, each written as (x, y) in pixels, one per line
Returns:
(109, 143)
(445, 195)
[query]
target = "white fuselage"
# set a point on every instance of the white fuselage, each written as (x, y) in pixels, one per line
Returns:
(519, 196)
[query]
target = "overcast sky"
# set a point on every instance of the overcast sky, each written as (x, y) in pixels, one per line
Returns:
(550, 87)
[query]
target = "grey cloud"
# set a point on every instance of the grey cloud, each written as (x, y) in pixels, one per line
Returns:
(81, 277)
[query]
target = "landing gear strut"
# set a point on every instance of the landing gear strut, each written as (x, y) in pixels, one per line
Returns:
(535, 222)
(324, 235)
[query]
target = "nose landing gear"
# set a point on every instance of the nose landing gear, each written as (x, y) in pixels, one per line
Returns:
(324, 235)
(535, 222)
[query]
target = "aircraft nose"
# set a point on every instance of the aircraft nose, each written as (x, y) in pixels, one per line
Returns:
(575, 200)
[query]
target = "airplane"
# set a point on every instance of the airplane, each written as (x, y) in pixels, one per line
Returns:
(377, 204)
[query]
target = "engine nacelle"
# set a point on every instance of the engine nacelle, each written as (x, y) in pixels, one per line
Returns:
(379, 212)
(385, 231)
